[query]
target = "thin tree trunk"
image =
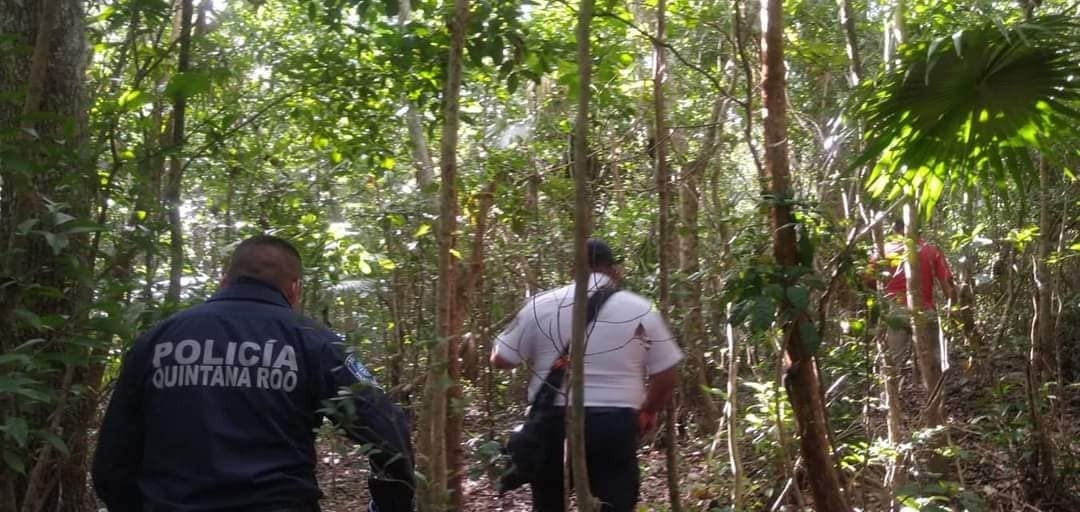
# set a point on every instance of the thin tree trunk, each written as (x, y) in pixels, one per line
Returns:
(740, 27)
(802, 377)
(582, 228)
(693, 321)
(731, 414)
(176, 163)
(663, 187)
(425, 168)
(895, 32)
(927, 352)
(445, 312)
(893, 417)
(479, 304)
(851, 40)
(966, 290)
(1039, 365)
(891, 362)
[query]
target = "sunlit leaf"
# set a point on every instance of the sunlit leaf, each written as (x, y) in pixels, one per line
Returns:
(187, 84)
(976, 109)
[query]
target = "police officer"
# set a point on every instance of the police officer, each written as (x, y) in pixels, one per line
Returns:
(628, 340)
(216, 407)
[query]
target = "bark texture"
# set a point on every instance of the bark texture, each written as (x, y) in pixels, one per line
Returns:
(440, 383)
(802, 376)
(582, 227)
(44, 175)
(176, 161)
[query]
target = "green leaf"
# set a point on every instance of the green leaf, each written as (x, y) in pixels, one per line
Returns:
(17, 429)
(30, 318)
(60, 218)
(56, 241)
(739, 311)
(23, 359)
(15, 462)
(773, 291)
(974, 111)
(763, 314)
(806, 251)
(28, 343)
(133, 99)
(799, 297)
(422, 230)
(54, 440)
(809, 335)
(187, 84)
(25, 226)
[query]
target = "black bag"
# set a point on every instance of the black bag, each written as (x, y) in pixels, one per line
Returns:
(528, 443)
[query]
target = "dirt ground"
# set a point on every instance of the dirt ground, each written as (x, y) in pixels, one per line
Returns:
(343, 479)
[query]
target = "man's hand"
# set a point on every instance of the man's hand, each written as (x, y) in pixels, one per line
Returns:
(660, 387)
(646, 421)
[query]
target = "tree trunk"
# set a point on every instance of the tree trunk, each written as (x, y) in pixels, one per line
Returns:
(851, 40)
(965, 290)
(582, 229)
(927, 352)
(895, 32)
(891, 362)
(731, 414)
(663, 188)
(176, 162)
(802, 377)
(425, 168)
(446, 346)
(693, 320)
(1039, 365)
(48, 70)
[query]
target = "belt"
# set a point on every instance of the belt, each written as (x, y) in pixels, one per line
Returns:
(595, 410)
(603, 410)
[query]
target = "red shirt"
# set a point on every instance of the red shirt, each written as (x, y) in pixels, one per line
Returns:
(931, 264)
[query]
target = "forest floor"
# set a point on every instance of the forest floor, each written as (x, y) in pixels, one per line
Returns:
(344, 484)
(990, 469)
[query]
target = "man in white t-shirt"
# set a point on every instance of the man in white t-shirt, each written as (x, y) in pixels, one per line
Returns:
(630, 372)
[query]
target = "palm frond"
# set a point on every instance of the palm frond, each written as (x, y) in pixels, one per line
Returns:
(974, 107)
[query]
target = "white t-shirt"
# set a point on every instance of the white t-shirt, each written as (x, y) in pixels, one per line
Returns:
(628, 340)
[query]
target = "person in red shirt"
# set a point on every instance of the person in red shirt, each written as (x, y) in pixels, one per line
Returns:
(932, 268)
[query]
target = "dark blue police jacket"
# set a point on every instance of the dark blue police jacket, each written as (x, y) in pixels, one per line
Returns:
(215, 410)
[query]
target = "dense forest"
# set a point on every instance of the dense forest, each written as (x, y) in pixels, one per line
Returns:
(438, 162)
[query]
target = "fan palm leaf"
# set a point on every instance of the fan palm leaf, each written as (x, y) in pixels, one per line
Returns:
(973, 108)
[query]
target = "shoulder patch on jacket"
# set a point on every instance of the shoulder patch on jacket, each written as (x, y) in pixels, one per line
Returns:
(362, 374)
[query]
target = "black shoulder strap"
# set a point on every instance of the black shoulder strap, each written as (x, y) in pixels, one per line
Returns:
(546, 394)
(596, 301)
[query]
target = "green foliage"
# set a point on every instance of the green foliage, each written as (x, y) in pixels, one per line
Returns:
(971, 108)
(762, 293)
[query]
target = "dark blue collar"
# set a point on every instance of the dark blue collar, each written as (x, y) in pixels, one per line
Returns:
(249, 288)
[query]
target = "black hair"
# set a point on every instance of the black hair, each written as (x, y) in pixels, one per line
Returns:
(600, 254)
(267, 258)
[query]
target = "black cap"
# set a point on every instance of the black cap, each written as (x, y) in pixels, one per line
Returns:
(600, 254)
